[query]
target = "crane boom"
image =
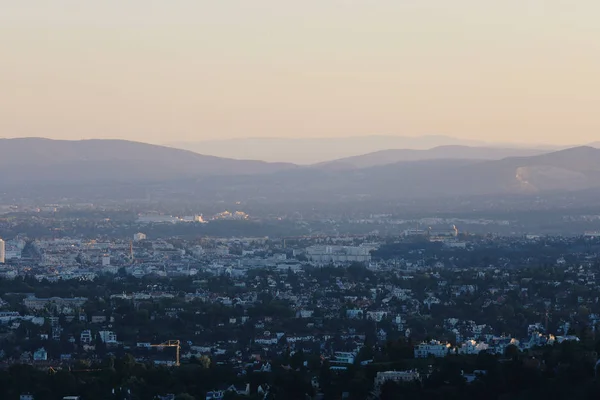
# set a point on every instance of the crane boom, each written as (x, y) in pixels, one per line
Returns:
(171, 343)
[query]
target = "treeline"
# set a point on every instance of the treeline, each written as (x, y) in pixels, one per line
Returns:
(563, 371)
(126, 377)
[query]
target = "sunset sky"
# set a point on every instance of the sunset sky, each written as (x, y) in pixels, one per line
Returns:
(159, 71)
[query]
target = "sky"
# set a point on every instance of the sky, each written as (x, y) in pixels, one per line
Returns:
(160, 71)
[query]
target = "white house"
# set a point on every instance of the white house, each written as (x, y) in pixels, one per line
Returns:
(433, 348)
(40, 355)
(396, 376)
(108, 337)
(472, 347)
(86, 337)
(139, 237)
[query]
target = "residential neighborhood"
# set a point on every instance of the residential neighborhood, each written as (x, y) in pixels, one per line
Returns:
(258, 307)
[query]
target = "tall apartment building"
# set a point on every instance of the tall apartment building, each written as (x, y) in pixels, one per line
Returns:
(2, 251)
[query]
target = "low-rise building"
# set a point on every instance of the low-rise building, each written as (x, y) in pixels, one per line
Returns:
(108, 337)
(472, 347)
(34, 303)
(434, 348)
(86, 337)
(40, 355)
(395, 376)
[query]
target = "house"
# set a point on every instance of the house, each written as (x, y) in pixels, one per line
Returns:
(434, 348)
(396, 376)
(33, 303)
(40, 355)
(108, 337)
(264, 390)
(86, 337)
(304, 314)
(472, 347)
(98, 319)
(56, 332)
(376, 316)
(354, 314)
(241, 391)
(215, 395)
(343, 358)
(266, 340)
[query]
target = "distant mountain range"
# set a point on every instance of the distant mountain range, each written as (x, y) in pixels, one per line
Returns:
(449, 171)
(566, 170)
(384, 157)
(315, 150)
(30, 160)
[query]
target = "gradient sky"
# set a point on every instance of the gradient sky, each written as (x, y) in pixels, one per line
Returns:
(161, 71)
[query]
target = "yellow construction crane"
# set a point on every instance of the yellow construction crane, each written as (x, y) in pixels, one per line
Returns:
(171, 343)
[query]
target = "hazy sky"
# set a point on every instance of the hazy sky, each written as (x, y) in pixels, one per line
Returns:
(159, 71)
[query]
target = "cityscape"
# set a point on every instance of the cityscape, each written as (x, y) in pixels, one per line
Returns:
(320, 315)
(299, 200)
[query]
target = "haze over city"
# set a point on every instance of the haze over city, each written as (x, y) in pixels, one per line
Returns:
(299, 200)
(184, 71)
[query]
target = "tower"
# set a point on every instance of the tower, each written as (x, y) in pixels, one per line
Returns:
(2, 251)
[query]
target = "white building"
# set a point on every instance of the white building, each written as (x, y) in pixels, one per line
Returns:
(236, 215)
(108, 337)
(86, 337)
(138, 237)
(395, 376)
(304, 313)
(343, 357)
(354, 313)
(157, 219)
(433, 348)
(472, 347)
(416, 232)
(2, 251)
(105, 260)
(193, 218)
(13, 249)
(376, 316)
(339, 254)
(40, 355)
(443, 235)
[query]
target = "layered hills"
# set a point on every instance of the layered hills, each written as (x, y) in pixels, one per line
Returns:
(32, 160)
(393, 174)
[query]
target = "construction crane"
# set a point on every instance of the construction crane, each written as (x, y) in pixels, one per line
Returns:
(171, 343)
(52, 370)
